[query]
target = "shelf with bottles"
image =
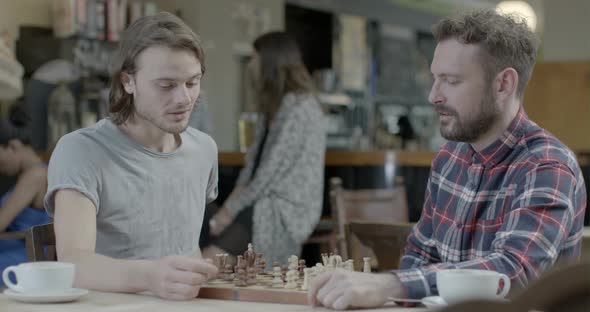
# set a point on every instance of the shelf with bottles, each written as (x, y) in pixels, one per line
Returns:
(102, 20)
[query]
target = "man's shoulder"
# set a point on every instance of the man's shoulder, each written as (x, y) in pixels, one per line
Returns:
(200, 140)
(83, 142)
(542, 147)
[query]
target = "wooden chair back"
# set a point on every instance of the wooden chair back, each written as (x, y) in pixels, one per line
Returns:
(40, 243)
(386, 240)
(379, 205)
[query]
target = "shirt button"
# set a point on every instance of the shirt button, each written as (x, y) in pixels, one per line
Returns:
(459, 225)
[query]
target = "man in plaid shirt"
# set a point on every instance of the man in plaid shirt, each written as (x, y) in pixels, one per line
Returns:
(503, 193)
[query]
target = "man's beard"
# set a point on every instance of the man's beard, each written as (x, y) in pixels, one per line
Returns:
(471, 128)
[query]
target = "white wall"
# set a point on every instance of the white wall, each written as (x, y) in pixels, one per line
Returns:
(14, 13)
(567, 30)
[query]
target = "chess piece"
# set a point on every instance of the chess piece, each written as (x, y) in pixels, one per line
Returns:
(291, 279)
(320, 268)
(366, 265)
(293, 262)
(261, 265)
(228, 273)
(349, 265)
(218, 261)
(335, 261)
(251, 280)
(241, 264)
(278, 277)
(242, 278)
(306, 278)
(250, 256)
(325, 259)
(220, 267)
(301, 267)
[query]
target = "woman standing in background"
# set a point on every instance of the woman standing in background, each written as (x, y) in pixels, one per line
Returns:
(21, 207)
(277, 201)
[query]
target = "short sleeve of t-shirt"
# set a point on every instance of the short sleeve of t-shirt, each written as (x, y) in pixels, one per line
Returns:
(72, 166)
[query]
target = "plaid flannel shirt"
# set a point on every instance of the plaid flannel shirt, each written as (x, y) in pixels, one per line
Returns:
(515, 207)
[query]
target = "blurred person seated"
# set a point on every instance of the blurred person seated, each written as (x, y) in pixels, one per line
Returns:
(22, 206)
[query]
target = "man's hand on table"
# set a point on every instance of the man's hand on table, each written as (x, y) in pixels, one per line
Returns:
(344, 289)
(179, 277)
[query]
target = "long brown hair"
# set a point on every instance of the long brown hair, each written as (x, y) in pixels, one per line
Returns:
(162, 29)
(281, 71)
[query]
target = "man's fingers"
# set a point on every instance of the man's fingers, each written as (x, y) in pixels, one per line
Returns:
(194, 265)
(316, 286)
(344, 301)
(187, 277)
(330, 296)
(180, 291)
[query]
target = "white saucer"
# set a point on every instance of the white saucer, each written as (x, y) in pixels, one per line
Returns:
(66, 296)
(438, 301)
(434, 302)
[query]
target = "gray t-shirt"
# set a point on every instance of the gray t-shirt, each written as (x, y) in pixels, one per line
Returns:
(148, 204)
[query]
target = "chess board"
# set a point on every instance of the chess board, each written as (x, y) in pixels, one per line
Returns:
(249, 280)
(261, 292)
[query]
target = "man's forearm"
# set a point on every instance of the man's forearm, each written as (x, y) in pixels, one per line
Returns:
(102, 273)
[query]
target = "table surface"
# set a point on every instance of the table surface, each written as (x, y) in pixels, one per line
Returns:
(114, 302)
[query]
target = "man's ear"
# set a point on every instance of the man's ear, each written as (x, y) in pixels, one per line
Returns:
(128, 83)
(507, 83)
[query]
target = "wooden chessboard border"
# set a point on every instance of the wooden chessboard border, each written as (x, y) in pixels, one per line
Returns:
(282, 296)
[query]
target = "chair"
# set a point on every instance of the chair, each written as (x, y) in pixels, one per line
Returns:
(40, 242)
(370, 205)
(387, 240)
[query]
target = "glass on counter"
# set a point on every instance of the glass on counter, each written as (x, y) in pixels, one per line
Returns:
(247, 129)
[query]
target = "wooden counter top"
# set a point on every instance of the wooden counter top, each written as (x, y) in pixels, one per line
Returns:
(352, 158)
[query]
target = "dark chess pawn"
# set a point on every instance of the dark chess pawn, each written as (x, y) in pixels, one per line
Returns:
(250, 256)
(261, 265)
(242, 278)
(241, 264)
(301, 267)
(251, 276)
(227, 273)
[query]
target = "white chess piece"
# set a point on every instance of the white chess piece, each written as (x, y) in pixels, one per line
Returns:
(336, 261)
(278, 277)
(293, 262)
(306, 278)
(349, 265)
(325, 259)
(366, 265)
(291, 279)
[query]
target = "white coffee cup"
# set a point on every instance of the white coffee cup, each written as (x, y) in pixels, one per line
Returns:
(461, 285)
(40, 277)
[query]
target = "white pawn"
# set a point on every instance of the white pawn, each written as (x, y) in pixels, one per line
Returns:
(349, 265)
(291, 280)
(367, 265)
(278, 277)
(293, 262)
(306, 278)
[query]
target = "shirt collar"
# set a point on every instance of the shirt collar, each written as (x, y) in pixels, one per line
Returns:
(495, 152)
